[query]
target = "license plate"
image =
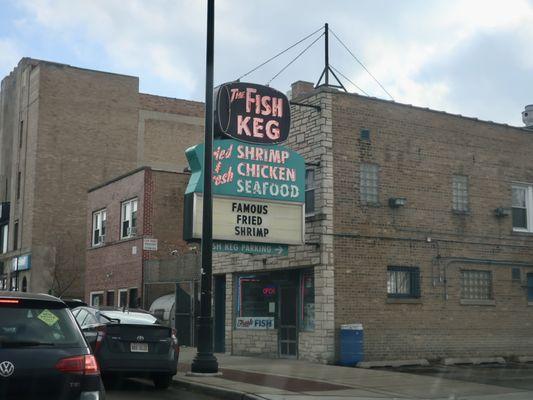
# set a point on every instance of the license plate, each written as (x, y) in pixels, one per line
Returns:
(139, 347)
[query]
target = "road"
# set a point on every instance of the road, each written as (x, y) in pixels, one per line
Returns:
(133, 389)
(511, 375)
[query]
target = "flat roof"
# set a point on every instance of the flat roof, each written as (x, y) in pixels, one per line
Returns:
(132, 172)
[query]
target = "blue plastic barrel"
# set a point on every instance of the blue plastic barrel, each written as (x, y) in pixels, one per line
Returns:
(352, 344)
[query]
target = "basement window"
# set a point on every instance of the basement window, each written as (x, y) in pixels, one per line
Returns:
(403, 282)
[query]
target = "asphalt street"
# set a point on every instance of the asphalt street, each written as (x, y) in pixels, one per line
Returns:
(133, 389)
(512, 375)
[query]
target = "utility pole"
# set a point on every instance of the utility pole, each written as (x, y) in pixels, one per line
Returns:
(205, 362)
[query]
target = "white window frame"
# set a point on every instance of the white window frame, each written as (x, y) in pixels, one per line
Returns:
(91, 294)
(5, 236)
(99, 225)
(120, 305)
(310, 188)
(529, 207)
(127, 208)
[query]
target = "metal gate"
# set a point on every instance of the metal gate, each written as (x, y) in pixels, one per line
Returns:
(186, 306)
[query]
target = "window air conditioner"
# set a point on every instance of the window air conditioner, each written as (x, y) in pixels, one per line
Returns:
(101, 239)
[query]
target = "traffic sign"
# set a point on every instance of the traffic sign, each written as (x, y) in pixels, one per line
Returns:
(250, 248)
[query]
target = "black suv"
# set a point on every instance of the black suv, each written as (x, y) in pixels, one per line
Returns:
(43, 354)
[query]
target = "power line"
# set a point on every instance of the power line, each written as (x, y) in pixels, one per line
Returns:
(280, 53)
(294, 59)
(362, 65)
(349, 80)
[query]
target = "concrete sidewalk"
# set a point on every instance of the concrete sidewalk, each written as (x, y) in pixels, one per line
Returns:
(257, 378)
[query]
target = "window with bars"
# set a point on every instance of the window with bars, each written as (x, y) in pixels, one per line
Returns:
(476, 285)
(368, 187)
(460, 193)
(403, 282)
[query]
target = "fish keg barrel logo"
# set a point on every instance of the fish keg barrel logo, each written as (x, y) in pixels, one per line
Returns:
(252, 113)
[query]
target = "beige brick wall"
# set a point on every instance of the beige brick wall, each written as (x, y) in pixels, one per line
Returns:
(418, 151)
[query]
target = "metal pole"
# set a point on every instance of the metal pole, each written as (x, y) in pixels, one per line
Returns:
(326, 58)
(205, 361)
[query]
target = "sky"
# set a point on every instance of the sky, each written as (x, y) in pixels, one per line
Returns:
(467, 57)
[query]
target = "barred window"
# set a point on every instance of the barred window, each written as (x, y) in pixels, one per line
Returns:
(403, 282)
(460, 193)
(369, 183)
(476, 285)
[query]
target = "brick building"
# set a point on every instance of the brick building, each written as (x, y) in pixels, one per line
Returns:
(418, 226)
(64, 130)
(127, 218)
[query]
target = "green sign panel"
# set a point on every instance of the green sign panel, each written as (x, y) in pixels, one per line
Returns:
(250, 248)
(249, 170)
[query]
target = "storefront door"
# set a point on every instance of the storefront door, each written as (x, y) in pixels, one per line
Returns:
(288, 322)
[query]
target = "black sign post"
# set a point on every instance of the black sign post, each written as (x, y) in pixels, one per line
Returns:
(205, 362)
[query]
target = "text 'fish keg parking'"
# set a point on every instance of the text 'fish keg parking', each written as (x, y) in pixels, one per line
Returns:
(257, 163)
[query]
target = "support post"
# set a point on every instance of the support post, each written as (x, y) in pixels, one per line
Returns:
(205, 362)
(326, 58)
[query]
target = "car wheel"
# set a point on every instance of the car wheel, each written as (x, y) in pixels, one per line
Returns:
(162, 381)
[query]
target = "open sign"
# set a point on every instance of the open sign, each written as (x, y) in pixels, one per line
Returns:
(269, 291)
(252, 113)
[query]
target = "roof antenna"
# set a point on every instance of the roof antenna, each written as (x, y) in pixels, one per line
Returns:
(327, 68)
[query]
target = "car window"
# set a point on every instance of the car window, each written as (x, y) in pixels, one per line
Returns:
(80, 317)
(131, 318)
(38, 326)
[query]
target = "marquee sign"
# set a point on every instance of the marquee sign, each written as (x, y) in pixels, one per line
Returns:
(247, 170)
(249, 220)
(252, 113)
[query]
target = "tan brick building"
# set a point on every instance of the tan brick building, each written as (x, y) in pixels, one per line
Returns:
(421, 230)
(132, 219)
(64, 130)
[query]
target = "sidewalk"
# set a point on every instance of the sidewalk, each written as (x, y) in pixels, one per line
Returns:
(258, 378)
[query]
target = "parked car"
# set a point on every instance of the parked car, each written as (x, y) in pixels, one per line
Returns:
(130, 343)
(43, 353)
(73, 303)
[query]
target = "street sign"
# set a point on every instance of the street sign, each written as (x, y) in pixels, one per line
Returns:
(149, 244)
(250, 248)
(252, 113)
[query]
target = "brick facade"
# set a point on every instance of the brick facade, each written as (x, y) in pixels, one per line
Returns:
(350, 245)
(118, 263)
(67, 129)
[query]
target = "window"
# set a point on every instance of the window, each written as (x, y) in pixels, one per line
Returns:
(403, 282)
(307, 287)
(460, 193)
(4, 235)
(19, 177)
(21, 133)
(476, 285)
(99, 225)
(122, 297)
(365, 134)
(309, 191)
(110, 298)
(369, 183)
(522, 201)
(257, 296)
(16, 235)
(135, 301)
(97, 299)
(129, 218)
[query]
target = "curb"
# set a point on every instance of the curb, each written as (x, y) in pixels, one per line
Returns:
(215, 391)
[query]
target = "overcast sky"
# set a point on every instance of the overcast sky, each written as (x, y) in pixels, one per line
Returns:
(469, 57)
